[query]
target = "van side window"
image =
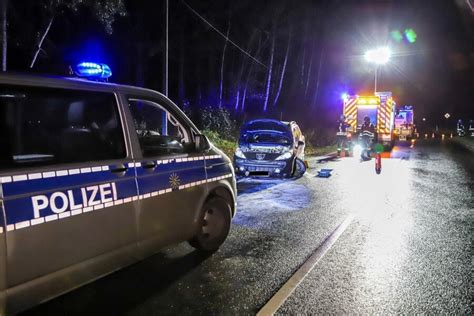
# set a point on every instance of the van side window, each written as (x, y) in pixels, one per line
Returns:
(158, 131)
(46, 126)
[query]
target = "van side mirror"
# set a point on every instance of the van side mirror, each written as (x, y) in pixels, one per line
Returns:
(202, 143)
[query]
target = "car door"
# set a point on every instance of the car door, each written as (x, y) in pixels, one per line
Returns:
(66, 185)
(171, 176)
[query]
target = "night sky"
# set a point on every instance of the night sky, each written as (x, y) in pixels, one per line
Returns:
(435, 74)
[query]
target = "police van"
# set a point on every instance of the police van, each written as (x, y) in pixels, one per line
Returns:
(95, 176)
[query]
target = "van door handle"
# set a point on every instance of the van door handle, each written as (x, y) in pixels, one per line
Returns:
(216, 165)
(149, 165)
(119, 169)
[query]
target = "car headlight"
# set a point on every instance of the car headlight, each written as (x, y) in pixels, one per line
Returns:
(285, 156)
(282, 149)
(239, 153)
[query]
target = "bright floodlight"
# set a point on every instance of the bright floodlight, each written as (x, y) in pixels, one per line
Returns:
(378, 56)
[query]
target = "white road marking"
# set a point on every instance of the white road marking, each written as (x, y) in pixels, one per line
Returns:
(294, 281)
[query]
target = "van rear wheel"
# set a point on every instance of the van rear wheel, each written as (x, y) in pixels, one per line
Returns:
(214, 225)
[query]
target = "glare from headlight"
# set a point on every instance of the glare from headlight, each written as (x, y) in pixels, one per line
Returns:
(285, 156)
(357, 150)
(239, 153)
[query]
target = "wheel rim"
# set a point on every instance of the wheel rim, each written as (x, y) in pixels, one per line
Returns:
(213, 225)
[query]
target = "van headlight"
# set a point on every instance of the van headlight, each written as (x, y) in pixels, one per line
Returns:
(285, 156)
(239, 153)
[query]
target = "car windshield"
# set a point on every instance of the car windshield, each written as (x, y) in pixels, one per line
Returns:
(265, 131)
(266, 125)
(265, 137)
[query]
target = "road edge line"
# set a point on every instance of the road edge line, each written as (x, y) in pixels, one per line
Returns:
(277, 300)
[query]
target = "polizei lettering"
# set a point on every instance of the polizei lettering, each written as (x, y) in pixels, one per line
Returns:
(59, 202)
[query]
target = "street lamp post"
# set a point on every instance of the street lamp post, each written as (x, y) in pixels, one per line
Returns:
(379, 56)
(375, 81)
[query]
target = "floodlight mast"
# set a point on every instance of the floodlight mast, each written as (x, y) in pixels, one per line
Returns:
(378, 56)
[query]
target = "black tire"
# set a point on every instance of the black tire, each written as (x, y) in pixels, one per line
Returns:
(300, 168)
(293, 170)
(214, 225)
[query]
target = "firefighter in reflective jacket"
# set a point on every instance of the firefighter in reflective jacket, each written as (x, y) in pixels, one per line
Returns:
(367, 134)
(367, 126)
(342, 136)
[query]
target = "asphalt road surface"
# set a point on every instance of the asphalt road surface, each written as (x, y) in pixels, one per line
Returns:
(407, 248)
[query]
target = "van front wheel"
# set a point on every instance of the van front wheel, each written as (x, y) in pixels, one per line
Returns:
(214, 225)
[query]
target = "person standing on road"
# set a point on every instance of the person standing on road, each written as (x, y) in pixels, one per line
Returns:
(460, 128)
(342, 136)
(367, 126)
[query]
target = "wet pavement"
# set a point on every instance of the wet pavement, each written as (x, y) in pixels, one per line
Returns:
(407, 250)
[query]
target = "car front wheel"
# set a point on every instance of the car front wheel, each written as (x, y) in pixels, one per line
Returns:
(300, 168)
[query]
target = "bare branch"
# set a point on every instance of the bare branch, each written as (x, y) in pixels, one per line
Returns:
(40, 44)
(270, 69)
(284, 68)
(222, 65)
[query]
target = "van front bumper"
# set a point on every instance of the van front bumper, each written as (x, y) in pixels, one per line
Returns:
(245, 167)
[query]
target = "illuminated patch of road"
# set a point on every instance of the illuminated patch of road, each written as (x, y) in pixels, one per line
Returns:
(288, 288)
(264, 198)
(364, 191)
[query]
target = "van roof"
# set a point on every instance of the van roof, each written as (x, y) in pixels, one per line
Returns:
(67, 82)
(83, 84)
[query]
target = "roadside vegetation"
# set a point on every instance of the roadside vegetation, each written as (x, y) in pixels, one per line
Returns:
(226, 145)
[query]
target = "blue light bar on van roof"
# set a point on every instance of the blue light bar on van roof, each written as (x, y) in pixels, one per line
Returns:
(93, 70)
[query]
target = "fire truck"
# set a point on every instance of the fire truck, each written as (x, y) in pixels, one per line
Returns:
(404, 127)
(380, 108)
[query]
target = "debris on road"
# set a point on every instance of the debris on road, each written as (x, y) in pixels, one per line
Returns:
(327, 157)
(324, 173)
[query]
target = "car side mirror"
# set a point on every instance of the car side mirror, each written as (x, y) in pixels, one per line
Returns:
(202, 143)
